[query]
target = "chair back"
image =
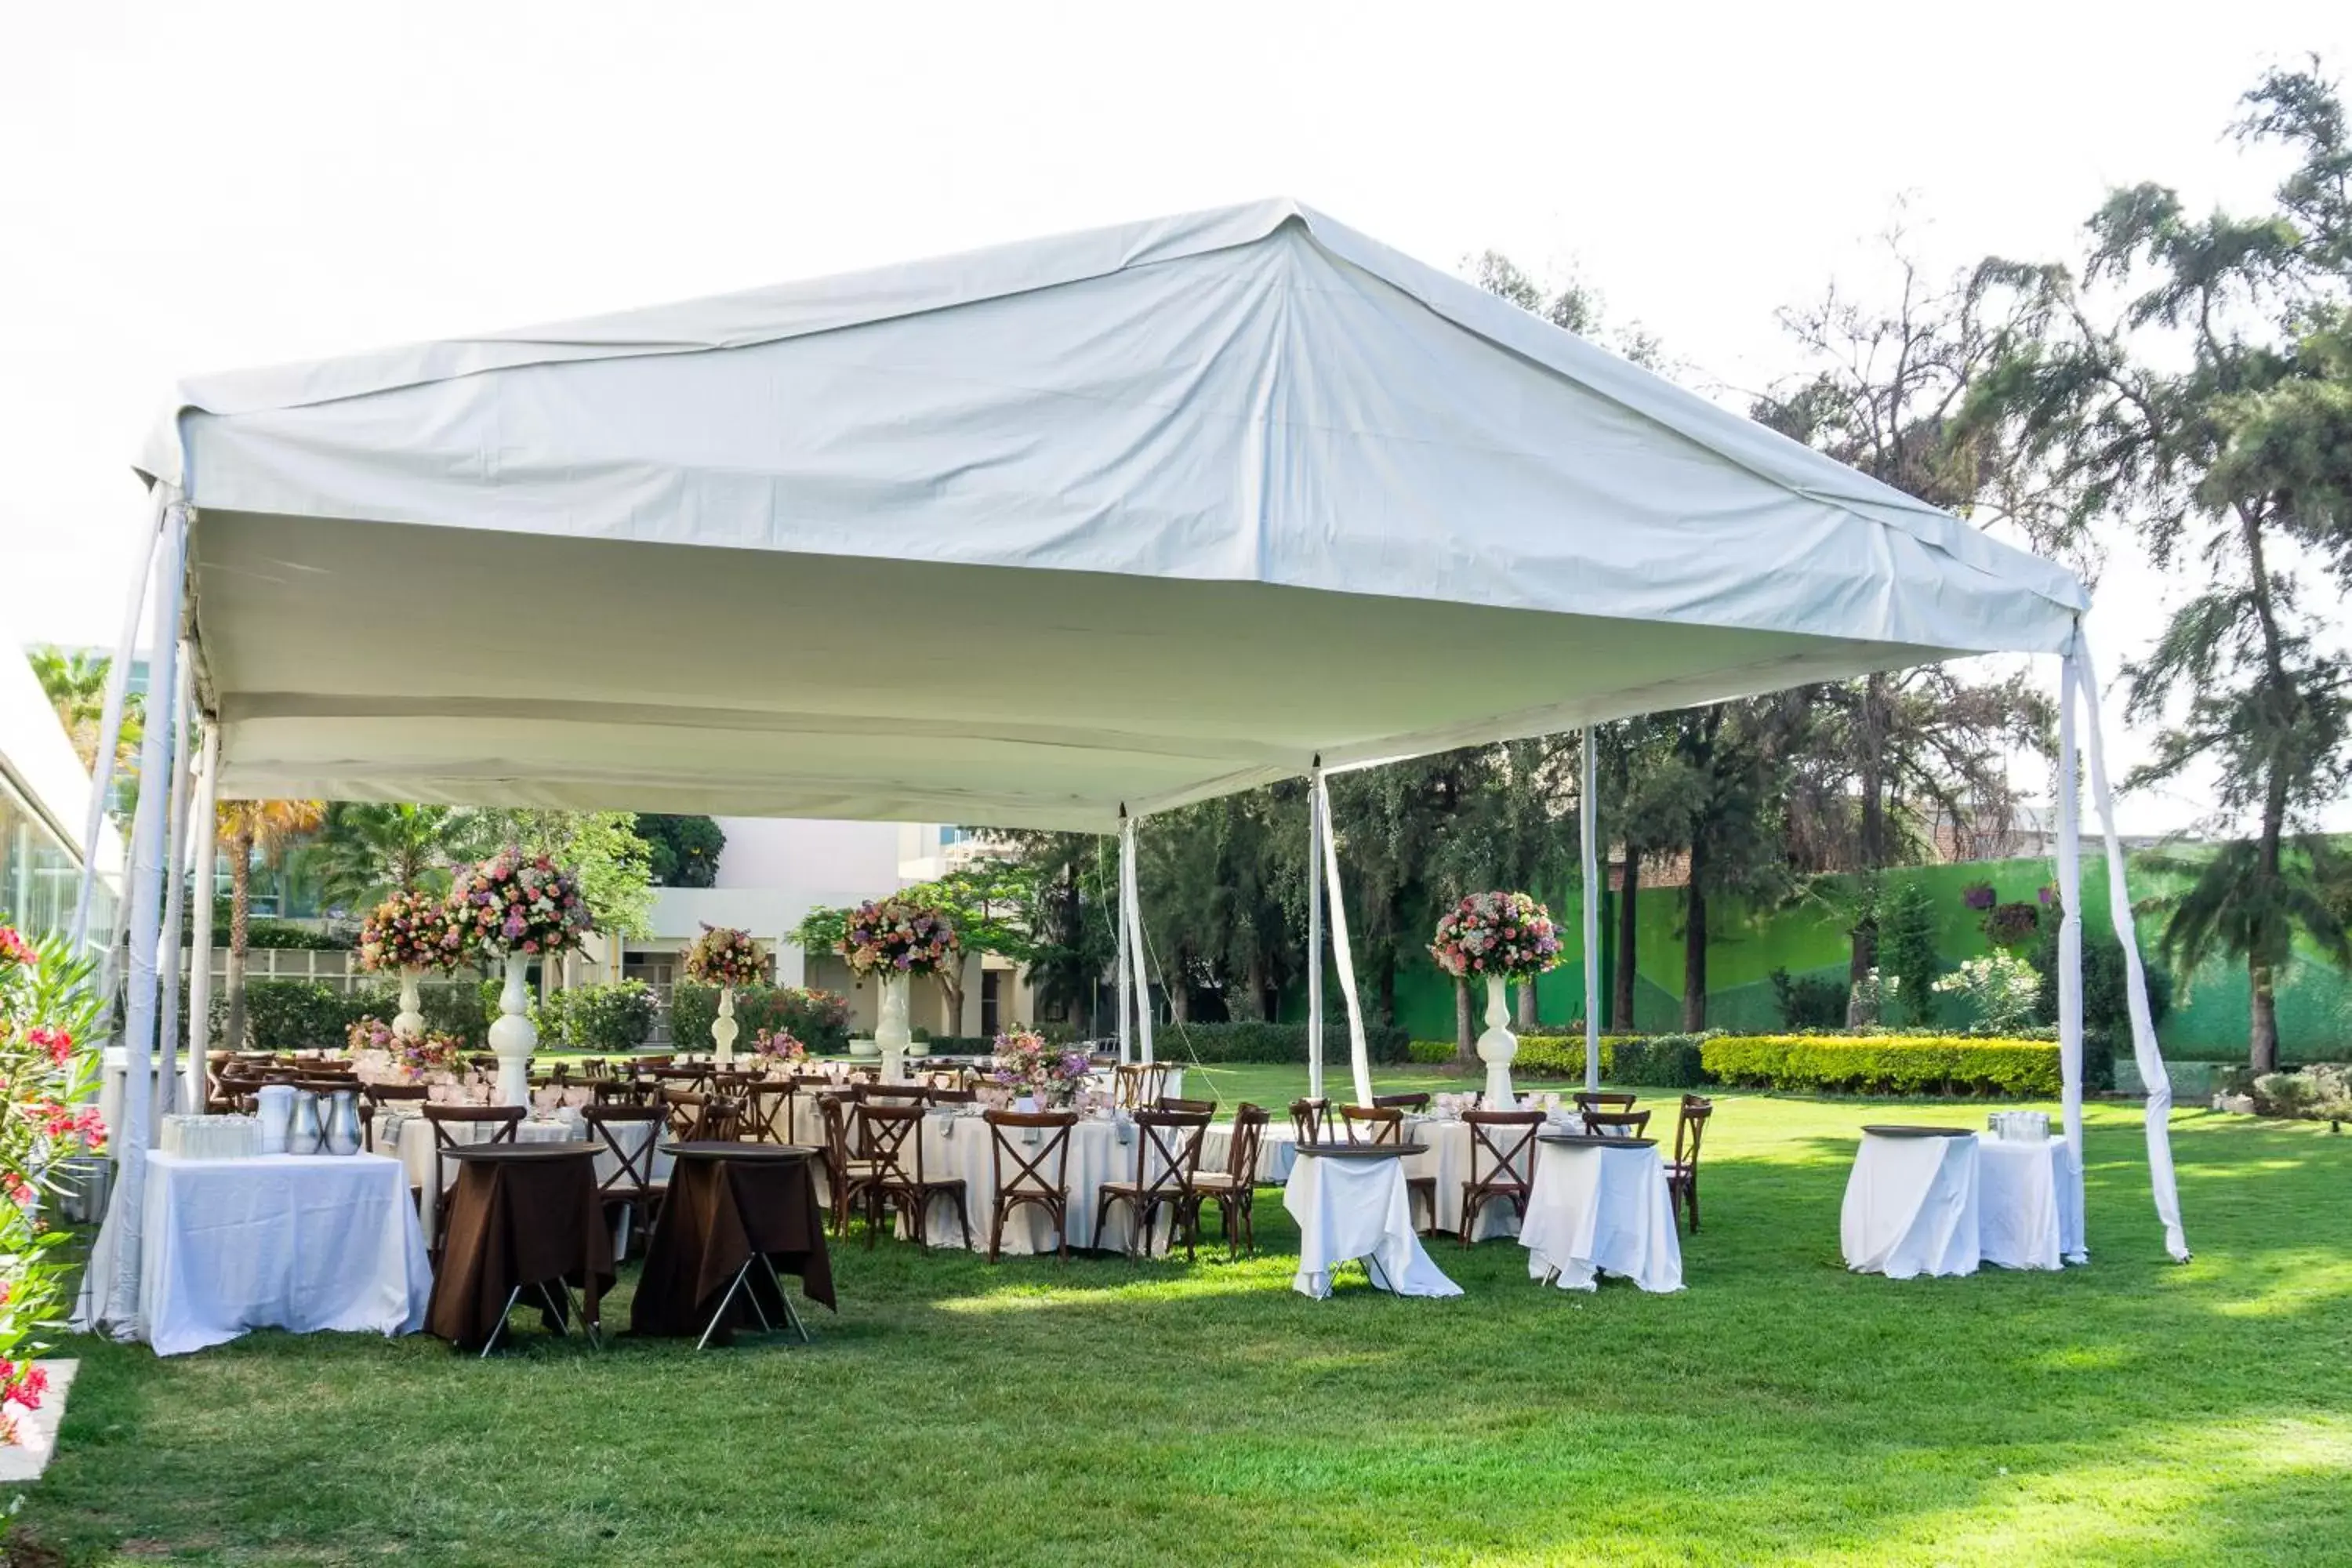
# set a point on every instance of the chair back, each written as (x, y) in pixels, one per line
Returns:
(695, 1078)
(1403, 1101)
(1198, 1107)
(1030, 1170)
(1602, 1099)
(1689, 1128)
(833, 1110)
(647, 1062)
(503, 1120)
(697, 1117)
(1249, 1137)
(939, 1094)
(767, 1110)
(887, 1093)
(633, 1171)
(1135, 1084)
(1306, 1119)
(1374, 1123)
(1168, 1151)
(892, 1137)
(1503, 1146)
(1616, 1123)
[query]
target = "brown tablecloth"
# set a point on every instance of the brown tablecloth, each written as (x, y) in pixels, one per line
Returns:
(519, 1213)
(726, 1202)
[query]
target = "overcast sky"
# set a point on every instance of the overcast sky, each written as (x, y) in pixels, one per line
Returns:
(188, 187)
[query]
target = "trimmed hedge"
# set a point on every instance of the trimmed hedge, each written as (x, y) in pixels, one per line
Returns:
(605, 1019)
(1256, 1041)
(1885, 1064)
(305, 1015)
(818, 1019)
(1650, 1061)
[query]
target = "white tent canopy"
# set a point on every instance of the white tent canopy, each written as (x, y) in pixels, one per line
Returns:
(1138, 516)
(1050, 535)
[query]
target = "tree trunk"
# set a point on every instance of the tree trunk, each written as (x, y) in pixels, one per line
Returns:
(240, 909)
(1695, 942)
(1527, 1004)
(1256, 984)
(2265, 1045)
(1621, 1001)
(1465, 1032)
(952, 993)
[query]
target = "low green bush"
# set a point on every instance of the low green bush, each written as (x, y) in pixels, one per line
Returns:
(607, 1019)
(818, 1019)
(1256, 1041)
(1656, 1061)
(265, 932)
(305, 1015)
(1884, 1064)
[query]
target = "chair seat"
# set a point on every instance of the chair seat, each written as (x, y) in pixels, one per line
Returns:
(927, 1184)
(1219, 1182)
(1135, 1189)
(1495, 1189)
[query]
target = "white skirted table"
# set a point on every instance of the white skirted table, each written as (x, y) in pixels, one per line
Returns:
(1911, 1204)
(301, 1242)
(1351, 1203)
(959, 1146)
(2021, 1219)
(1277, 1150)
(1600, 1206)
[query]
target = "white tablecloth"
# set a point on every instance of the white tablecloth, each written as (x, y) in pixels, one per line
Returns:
(1277, 1150)
(1911, 1207)
(1598, 1210)
(301, 1242)
(1447, 1158)
(1357, 1208)
(415, 1139)
(961, 1146)
(2021, 1222)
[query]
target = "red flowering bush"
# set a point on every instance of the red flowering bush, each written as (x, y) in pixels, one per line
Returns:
(46, 1071)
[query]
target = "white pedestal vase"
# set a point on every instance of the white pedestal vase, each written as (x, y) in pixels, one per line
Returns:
(409, 1022)
(1497, 1047)
(512, 1035)
(723, 1028)
(891, 1036)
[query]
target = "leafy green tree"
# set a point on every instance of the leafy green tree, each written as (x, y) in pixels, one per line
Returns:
(2214, 413)
(600, 848)
(1907, 953)
(990, 900)
(266, 830)
(682, 850)
(1071, 919)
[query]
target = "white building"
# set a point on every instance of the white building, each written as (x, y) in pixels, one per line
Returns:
(773, 872)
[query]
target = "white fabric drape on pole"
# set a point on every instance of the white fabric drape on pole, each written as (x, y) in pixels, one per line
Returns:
(109, 724)
(1360, 1061)
(204, 820)
(2069, 958)
(145, 905)
(1315, 931)
(1119, 935)
(2150, 1059)
(1588, 824)
(1132, 898)
(176, 881)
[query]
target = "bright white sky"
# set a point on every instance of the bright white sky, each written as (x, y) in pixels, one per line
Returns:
(188, 187)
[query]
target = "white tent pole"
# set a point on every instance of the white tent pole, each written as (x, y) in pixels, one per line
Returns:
(1315, 931)
(175, 878)
(204, 822)
(109, 724)
(1360, 1060)
(2145, 1054)
(1587, 816)
(1119, 935)
(2070, 957)
(146, 921)
(1131, 889)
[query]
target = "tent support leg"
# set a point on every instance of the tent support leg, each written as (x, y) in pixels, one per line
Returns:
(2069, 958)
(1360, 1060)
(1315, 931)
(1587, 823)
(1119, 937)
(204, 820)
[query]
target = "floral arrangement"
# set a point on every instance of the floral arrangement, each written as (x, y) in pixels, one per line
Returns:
(1025, 1064)
(514, 902)
(778, 1047)
(429, 1052)
(369, 1033)
(1505, 934)
(46, 1002)
(411, 930)
(895, 936)
(722, 956)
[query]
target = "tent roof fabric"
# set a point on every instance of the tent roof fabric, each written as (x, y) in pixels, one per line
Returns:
(1132, 517)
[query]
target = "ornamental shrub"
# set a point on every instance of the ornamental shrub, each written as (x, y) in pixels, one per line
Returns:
(818, 1019)
(603, 1020)
(1810, 1001)
(1255, 1040)
(1885, 1064)
(304, 1015)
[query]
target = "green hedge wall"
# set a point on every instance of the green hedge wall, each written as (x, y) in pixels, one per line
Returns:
(1654, 1061)
(1885, 1064)
(818, 1019)
(1266, 1042)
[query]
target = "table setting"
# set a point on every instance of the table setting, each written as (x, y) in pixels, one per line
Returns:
(958, 1145)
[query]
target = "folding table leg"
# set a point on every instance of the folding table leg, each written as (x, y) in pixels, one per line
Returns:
(792, 1314)
(512, 1297)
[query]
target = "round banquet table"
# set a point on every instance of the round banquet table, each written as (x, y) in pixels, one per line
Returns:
(407, 1132)
(1349, 1201)
(955, 1145)
(1911, 1204)
(2022, 1221)
(1598, 1207)
(1277, 1150)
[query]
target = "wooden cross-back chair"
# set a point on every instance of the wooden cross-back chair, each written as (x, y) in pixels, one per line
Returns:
(1167, 1158)
(768, 1110)
(1197, 1107)
(1136, 1085)
(892, 1136)
(501, 1119)
(1026, 1173)
(630, 1185)
(1308, 1118)
(1385, 1124)
(1602, 1099)
(848, 1173)
(374, 1097)
(1417, 1101)
(1502, 1163)
(1234, 1188)
(1616, 1123)
(696, 1118)
(1682, 1174)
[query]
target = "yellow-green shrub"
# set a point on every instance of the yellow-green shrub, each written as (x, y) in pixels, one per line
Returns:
(1885, 1064)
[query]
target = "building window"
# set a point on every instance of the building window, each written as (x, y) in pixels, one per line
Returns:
(992, 988)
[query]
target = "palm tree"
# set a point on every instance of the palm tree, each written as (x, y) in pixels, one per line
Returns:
(2248, 902)
(76, 686)
(367, 851)
(268, 826)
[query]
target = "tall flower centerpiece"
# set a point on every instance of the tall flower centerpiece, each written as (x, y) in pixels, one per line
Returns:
(725, 957)
(1498, 938)
(412, 1055)
(894, 939)
(778, 1049)
(409, 933)
(514, 908)
(1026, 1065)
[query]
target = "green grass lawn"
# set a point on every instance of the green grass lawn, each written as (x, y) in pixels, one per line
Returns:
(1778, 1410)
